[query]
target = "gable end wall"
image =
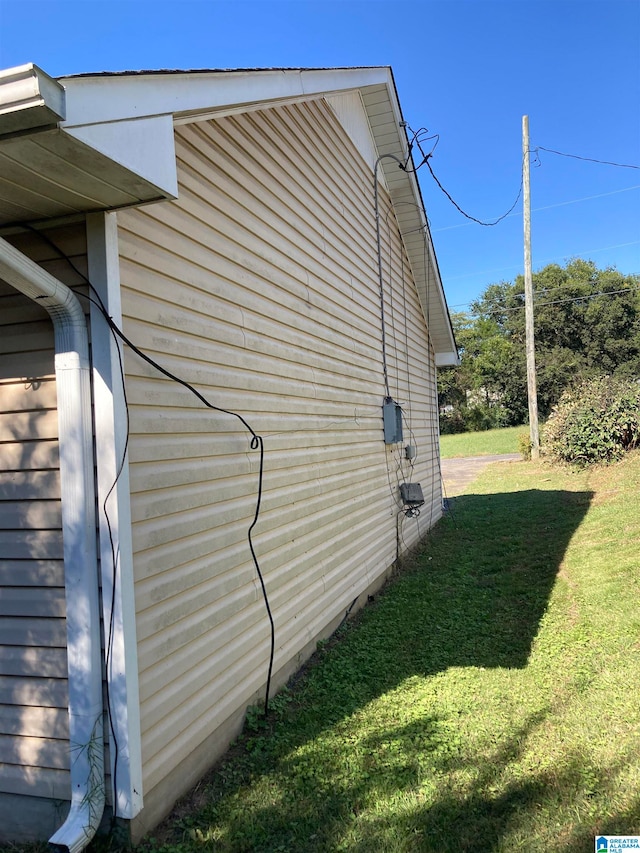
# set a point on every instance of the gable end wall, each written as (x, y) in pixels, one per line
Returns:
(260, 286)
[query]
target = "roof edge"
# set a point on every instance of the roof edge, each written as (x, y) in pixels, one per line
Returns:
(116, 113)
(252, 70)
(29, 100)
(115, 97)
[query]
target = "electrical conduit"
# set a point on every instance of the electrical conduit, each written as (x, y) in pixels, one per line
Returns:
(79, 543)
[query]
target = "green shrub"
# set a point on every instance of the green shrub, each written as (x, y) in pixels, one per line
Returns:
(596, 421)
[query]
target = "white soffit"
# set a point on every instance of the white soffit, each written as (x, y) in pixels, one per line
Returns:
(447, 359)
(49, 174)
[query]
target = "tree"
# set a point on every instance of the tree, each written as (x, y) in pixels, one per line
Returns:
(587, 323)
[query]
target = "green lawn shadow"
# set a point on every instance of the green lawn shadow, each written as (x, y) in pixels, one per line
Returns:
(473, 596)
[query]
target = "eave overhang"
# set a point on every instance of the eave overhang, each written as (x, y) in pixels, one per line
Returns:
(49, 169)
(387, 126)
(105, 141)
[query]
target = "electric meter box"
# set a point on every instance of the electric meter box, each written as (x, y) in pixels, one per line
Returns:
(392, 421)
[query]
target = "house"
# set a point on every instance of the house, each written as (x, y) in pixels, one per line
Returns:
(256, 238)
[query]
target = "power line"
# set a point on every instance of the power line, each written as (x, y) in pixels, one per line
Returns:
(417, 138)
(587, 159)
(547, 206)
(589, 296)
(550, 259)
(540, 291)
(464, 213)
(563, 301)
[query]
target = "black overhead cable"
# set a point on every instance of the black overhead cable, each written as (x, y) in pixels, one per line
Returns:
(500, 310)
(418, 137)
(587, 159)
(468, 215)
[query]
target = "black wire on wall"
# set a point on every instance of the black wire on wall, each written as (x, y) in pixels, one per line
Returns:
(403, 511)
(256, 443)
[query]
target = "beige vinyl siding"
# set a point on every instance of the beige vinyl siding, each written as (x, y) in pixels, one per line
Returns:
(260, 286)
(34, 748)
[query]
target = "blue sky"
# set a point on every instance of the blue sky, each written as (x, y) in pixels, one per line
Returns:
(467, 70)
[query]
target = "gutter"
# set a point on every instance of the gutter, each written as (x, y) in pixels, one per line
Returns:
(79, 543)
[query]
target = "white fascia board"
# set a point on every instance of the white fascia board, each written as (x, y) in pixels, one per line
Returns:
(130, 118)
(106, 98)
(448, 348)
(386, 122)
(447, 359)
(145, 146)
(115, 536)
(29, 99)
(407, 199)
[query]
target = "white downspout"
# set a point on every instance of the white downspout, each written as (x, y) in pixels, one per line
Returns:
(79, 543)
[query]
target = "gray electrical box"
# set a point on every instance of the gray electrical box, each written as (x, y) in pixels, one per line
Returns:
(392, 421)
(411, 494)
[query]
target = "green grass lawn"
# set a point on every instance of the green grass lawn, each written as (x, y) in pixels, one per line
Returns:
(485, 443)
(486, 701)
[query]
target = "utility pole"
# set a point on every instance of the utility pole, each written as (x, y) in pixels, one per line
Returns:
(532, 394)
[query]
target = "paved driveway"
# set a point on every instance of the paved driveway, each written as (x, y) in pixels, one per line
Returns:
(458, 473)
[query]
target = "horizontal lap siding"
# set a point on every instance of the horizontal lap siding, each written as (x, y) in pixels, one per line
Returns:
(34, 748)
(260, 286)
